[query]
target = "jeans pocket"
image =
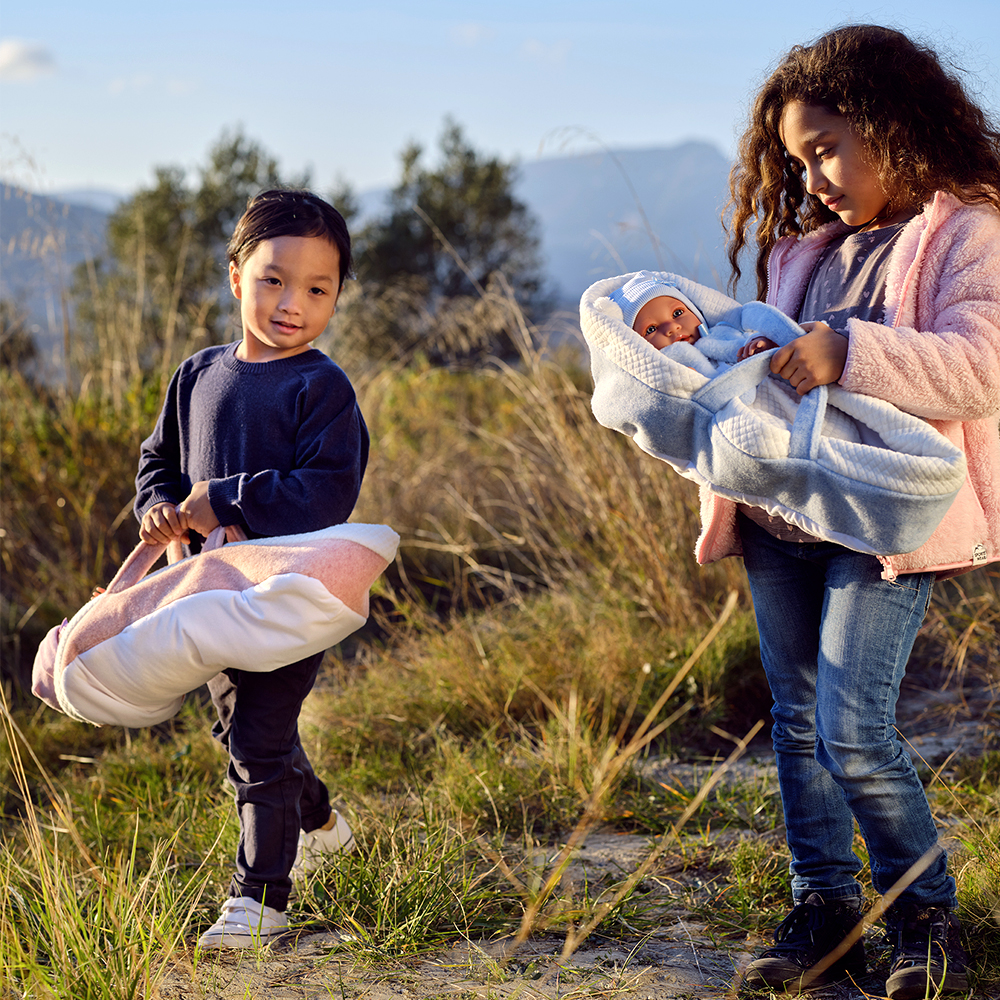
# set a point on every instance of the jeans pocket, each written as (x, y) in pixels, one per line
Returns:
(916, 583)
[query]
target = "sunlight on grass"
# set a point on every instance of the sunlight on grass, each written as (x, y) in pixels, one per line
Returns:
(75, 923)
(543, 633)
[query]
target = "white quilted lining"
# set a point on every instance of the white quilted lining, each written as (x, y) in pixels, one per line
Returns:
(135, 677)
(905, 454)
(631, 353)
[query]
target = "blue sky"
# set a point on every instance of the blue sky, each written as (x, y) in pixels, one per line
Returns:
(96, 94)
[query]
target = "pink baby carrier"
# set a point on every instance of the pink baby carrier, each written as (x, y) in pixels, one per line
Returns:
(130, 655)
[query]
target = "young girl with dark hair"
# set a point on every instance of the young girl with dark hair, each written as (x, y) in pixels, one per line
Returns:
(870, 184)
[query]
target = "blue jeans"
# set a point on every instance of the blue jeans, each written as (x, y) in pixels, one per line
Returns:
(834, 640)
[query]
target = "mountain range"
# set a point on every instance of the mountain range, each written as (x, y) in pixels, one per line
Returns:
(599, 214)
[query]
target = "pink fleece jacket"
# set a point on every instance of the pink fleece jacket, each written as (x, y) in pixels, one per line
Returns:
(937, 356)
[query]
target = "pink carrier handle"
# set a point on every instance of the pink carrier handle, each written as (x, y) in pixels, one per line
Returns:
(143, 557)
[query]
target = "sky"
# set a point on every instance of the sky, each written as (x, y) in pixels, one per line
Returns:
(97, 94)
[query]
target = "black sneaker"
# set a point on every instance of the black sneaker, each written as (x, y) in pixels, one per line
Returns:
(808, 934)
(927, 955)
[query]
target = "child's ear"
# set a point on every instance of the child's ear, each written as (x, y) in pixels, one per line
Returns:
(234, 279)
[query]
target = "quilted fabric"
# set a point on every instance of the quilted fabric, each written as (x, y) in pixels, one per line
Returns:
(845, 467)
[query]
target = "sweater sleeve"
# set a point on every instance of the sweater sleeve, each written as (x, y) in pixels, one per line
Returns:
(322, 485)
(949, 369)
(160, 479)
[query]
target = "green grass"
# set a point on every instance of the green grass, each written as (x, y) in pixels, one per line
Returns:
(90, 908)
(130, 854)
(492, 714)
(416, 884)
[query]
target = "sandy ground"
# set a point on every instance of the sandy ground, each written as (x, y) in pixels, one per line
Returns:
(685, 965)
(680, 960)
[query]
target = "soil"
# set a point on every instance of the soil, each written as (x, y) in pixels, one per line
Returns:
(682, 959)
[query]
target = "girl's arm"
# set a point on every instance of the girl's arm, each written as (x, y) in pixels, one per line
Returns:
(946, 366)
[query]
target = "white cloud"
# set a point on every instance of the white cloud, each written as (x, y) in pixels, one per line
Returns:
(470, 34)
(21, 60)
(549, 55)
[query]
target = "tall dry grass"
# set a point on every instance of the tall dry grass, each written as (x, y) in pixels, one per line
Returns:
(520, 489)
(499, 481)
(543, 602)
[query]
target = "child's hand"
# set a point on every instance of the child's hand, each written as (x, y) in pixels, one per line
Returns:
(755, 345)
(818, 358)
(161, 524)
(195, 510)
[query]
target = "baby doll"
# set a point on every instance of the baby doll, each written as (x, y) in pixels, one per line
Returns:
(667, 319)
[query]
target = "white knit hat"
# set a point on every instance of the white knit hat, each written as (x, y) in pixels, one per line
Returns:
(642, 288)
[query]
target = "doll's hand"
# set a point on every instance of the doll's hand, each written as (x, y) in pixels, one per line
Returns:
(161, 524)
(755, 345)
(195, 510)
(817, 358)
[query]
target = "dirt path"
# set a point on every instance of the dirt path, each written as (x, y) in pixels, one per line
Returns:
(680, 960)
(680, 963)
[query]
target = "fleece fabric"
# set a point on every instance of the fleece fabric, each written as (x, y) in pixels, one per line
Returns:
(130, 655)
(937, 355)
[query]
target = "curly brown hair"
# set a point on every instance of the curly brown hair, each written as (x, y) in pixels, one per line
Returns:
(921, 130)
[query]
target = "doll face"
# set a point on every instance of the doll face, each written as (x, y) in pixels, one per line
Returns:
(665, 320)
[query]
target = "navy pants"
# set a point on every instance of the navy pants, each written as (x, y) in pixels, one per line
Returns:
(277, 791)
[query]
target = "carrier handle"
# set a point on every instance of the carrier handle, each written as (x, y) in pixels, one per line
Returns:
(143, 557)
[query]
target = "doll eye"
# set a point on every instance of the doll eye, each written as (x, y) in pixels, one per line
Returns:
(678, 312)
(650, 330)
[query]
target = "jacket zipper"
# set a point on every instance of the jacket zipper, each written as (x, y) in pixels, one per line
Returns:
(889, 571)
(767, 276)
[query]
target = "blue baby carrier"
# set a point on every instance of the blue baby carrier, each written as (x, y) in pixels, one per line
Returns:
(845, 467)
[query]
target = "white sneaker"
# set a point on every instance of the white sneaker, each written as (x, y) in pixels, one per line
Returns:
(244, 923)
(317, 845)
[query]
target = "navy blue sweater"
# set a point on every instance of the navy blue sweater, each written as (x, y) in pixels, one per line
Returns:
(282, 443)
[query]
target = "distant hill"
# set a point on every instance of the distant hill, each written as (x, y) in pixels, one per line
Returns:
(41, 240)
(589, 206)
(99, 198)
(590, 209)
(592, 225)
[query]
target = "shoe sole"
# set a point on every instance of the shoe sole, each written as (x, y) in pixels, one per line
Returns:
(239, 939)
(800, 981)
(914, 984)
